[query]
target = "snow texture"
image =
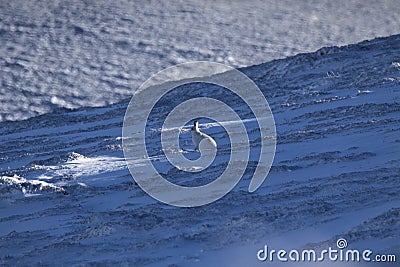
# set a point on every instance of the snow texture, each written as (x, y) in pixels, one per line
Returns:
(67, 197)
(75, 54)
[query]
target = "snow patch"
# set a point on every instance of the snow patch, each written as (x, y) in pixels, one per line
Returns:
(27, 187)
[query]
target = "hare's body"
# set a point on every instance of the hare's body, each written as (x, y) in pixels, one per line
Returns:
(198, 136)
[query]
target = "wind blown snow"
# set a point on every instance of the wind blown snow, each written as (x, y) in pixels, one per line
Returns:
(335, 174)
(75, 54)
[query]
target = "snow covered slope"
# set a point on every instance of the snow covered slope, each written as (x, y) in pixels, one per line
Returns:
(66, 196)
(76, 53)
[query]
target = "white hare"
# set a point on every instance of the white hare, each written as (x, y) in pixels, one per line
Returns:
(198, 136)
